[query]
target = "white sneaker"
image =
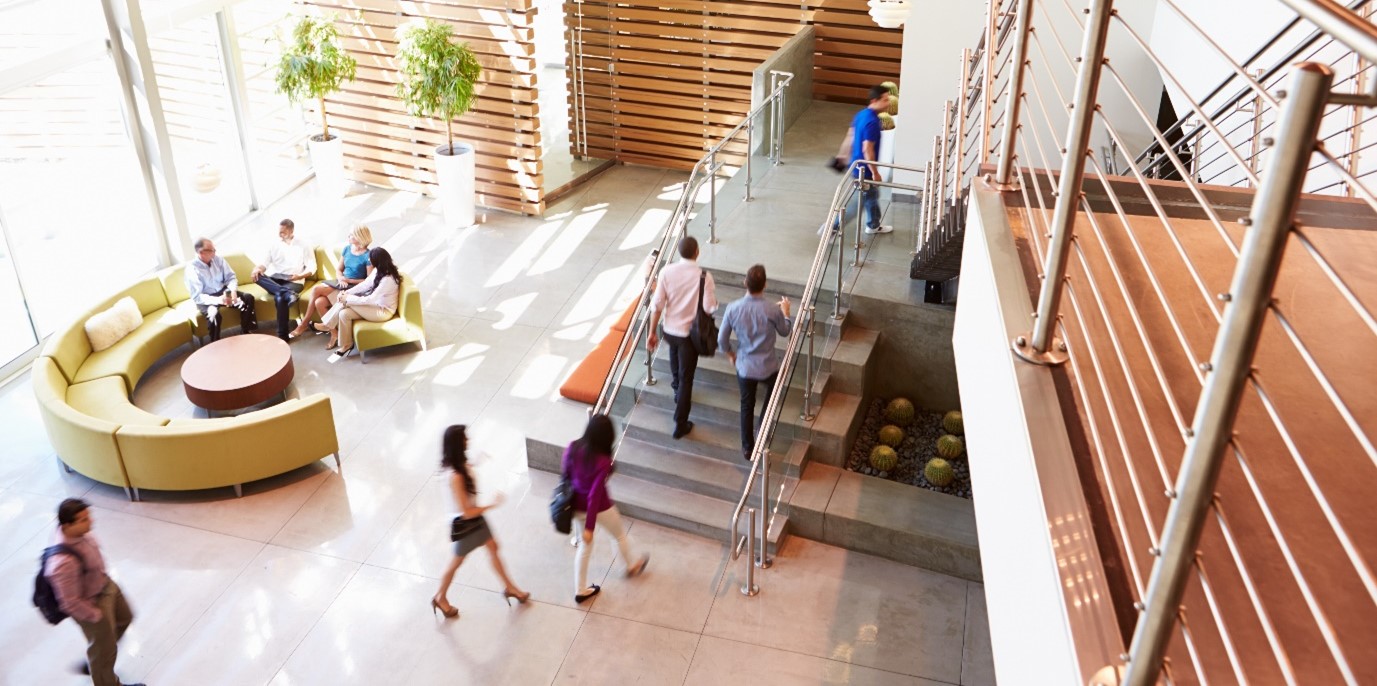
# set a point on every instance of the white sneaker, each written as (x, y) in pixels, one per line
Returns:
(882, 229)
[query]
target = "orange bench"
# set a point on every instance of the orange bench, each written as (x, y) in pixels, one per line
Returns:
(586, 382)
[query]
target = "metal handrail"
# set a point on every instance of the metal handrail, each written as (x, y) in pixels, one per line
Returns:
(830, 230)
(704, 171)
(1246, 305)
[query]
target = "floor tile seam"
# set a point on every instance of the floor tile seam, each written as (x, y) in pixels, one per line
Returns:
(286, 520)
(311, 629)
(368, 433)
(965, 623)
(688, 669)
(175, 643)
(14, 554)
(828, 659)
(583, 619)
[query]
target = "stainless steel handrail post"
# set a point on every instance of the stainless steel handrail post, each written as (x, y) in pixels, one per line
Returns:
(841, 263)
(809, 368)
(1068, 189)
(712, 195)
(987, 78)
(749, 588)
(783, 105)
(944, 136)
(1255, 141)
(959, 154)
(750, 127)
(1250, 295)
(650, 367)
(764, 560)
(860, 214)
(933, 198)
(1003, 174)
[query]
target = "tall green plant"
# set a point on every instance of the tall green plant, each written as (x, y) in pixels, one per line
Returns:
(313, 65)
(438, 74)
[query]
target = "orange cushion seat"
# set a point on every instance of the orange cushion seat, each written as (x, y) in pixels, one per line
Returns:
(585, 383)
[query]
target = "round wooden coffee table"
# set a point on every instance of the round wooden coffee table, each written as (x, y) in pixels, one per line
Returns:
(238, 371)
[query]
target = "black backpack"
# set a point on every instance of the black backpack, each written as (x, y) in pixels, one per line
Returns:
(562, 505)
(44, 598)
(703, 332)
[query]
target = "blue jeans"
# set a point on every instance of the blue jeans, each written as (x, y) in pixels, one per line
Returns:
(871, 199)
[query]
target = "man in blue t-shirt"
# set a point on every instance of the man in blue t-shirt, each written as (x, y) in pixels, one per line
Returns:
(865, 145)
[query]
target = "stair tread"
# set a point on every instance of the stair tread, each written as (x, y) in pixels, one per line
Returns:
(728, 400)
(683, 464)
(711, 434)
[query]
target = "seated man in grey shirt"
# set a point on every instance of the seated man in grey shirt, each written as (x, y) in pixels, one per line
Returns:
(211, 283)
(755, 323)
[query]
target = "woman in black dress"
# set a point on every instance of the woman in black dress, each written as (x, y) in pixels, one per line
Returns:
(474, 527)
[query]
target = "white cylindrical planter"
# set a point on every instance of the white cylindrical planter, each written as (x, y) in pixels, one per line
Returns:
(886, 152)
(327, 160)
(454, 170)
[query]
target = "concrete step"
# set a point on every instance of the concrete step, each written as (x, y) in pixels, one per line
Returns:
(708, 439)
(685, 511)
(833, 426)
(684, 470)
(719, 371)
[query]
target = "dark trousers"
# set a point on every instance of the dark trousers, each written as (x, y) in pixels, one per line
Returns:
(102, 636)
(683, 362)
(749, 427)
(248, 319)
(284, 294)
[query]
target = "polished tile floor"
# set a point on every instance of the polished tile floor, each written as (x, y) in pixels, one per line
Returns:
(315, 577)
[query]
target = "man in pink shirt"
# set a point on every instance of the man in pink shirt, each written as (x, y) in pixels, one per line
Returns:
(675, 303)
(85, 593)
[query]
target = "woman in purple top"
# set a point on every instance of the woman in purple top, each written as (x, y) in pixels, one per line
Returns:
(588, 462)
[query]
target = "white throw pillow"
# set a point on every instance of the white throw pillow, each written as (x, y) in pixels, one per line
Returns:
(106, 328)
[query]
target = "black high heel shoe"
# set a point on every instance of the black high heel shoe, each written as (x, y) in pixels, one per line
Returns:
(340, 354)
(585, 596)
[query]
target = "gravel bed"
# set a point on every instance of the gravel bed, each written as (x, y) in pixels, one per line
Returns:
(919, 446)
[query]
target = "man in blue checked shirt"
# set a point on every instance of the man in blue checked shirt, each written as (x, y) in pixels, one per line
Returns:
(211, 284)
(756, 323)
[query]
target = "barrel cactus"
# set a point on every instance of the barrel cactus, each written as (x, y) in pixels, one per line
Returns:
(883, 458)
(893, 106)
(886, 121)
(892, 87)
(899, 412)
(939, 472)
(950, 447)
(951, 421)
(891, 435)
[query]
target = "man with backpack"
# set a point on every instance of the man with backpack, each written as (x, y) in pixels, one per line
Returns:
(73, 579)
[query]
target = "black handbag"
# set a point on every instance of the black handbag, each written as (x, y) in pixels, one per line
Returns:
(703, 332)
(562, 505)
(460, 527)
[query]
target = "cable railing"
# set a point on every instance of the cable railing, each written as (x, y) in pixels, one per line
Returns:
(971, 128)
(1222, 397)
(703, 178)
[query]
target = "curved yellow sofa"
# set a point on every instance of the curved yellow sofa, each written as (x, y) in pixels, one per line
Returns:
(84, 401)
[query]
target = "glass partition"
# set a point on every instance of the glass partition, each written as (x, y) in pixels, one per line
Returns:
(72, 196)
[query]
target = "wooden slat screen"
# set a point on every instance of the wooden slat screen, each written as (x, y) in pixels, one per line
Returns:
(383, 145)
(666, 79)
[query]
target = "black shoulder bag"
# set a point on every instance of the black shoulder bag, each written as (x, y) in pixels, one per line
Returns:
(703, 333)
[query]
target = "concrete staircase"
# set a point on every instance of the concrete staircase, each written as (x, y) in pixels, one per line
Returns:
(693, 484)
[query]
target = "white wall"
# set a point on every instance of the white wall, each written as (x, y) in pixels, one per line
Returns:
(934, 35)
(1239, 27)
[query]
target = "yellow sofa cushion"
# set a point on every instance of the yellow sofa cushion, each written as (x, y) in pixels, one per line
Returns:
(69, 346)
(162, 332)
(107, 399)
(190, 454)
(84, 443)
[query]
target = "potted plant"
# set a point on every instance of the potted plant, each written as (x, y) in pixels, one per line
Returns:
(311, 67)
(438, 77)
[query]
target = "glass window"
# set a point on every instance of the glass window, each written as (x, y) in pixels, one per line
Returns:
(200, 123)
(72, 196)
(277, 128)
(33, 29)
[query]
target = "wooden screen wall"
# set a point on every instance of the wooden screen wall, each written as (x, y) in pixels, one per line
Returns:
(384, 145)
(665, 79)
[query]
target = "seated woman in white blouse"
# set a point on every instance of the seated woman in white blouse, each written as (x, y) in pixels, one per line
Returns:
(374, 299)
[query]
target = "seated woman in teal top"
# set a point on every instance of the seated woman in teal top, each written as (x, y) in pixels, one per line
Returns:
(353, 267)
